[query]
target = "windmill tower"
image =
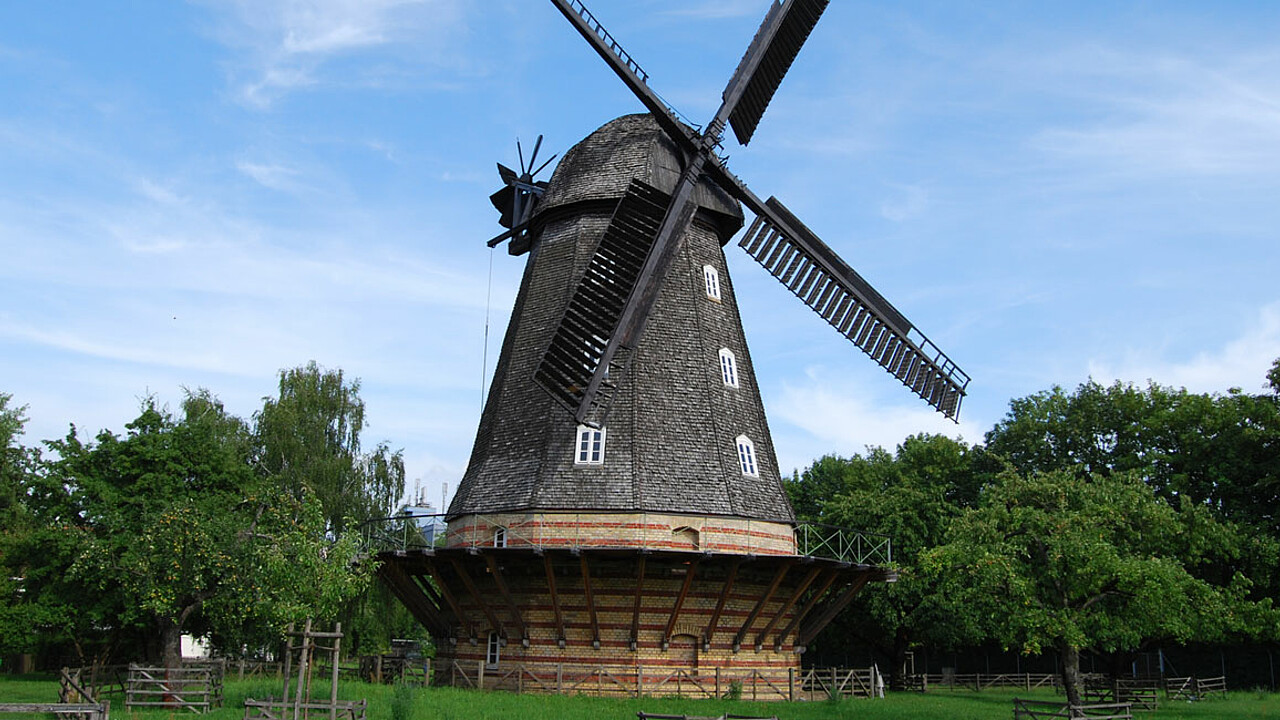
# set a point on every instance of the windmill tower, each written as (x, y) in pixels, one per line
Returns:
(622, 513)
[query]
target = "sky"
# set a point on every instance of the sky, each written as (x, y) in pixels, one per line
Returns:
(198, 195)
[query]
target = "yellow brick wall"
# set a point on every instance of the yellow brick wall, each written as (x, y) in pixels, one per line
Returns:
(655, 531)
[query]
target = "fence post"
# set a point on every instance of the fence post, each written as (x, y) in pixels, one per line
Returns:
(559, 678)
(791, 684)
(639, 680)
(479, 674)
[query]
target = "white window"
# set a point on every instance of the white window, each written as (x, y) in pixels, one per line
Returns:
(499, 537)
(747, 456)
(492, 651)
(728, 367)
(590, 448)
(712, 279)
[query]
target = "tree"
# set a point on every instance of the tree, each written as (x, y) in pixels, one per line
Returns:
(168, 528)
(912, 496)
(308, 439)
(1069, 562)
(1222, 451)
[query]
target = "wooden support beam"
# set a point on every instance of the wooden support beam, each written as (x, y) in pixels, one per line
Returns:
(494, 622)
(408, 592)
(591, 602)
(635, 612)
(449, 599)
(786, 607)
(832, 574)
(829, 613)
(755, 612)
(496, 571)
(690, 571)
(724, 596)
(555, 598)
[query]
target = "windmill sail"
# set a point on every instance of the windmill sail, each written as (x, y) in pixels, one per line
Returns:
(578, 347)
(767, 60)
(824, 282)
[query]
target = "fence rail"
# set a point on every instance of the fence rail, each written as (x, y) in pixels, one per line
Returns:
(86, 711)
(983, 681)
(603, 681)
(196, 688)
(1193, 688)
(1046, 710)
(404, 532)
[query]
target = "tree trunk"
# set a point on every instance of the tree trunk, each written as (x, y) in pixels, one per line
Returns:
(898, 670)
(1071, 681)
(170, 643)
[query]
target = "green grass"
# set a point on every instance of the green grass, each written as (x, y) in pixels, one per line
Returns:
(452, 704)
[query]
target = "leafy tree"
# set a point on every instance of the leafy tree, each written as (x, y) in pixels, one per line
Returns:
(1058, 560)
(168, 529)
(1222, 451)
(912, 496)
(308, 439)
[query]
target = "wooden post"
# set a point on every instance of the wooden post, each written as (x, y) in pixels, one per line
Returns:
(791, 684)
(299, 692)
(377, 669)
(559, 678)
(333, 683)
(288, 665)
(718, 693)
(480, 674)
(640, 680)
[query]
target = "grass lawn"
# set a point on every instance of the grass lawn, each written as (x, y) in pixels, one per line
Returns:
(451, 704)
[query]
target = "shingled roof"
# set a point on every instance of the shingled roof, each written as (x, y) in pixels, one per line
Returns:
(670, 442)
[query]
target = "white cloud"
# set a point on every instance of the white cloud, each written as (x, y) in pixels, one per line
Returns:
(840, 416)
(1170, 114)
(1241, 363)
(284, 44)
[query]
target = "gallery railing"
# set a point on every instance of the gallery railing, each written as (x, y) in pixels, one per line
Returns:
(419, 532)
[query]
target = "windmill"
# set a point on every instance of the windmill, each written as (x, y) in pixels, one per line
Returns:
(622, 512)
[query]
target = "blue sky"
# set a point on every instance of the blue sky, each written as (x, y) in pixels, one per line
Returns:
(200, 194)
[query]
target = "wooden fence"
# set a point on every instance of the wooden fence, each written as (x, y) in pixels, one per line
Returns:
(273, 709)
(83, 711)
(196, 688)
(602, 681)
(1193, 688)
(982, 681)
(1142, 693)
(1045, 710)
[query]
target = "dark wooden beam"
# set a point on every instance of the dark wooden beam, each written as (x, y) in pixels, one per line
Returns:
(786, 607)
(452, 601)
(410, 593)
(832, 574)
(496, 571)
(635, 612)
(494, 622)
(591, 603)
(724, 596)
(829, 613)
(690, 571)
(555, 598)
(755, 612)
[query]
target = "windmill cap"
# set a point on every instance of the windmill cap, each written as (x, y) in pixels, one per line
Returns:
(600, 167)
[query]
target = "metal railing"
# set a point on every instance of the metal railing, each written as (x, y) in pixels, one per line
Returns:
(410, 532)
